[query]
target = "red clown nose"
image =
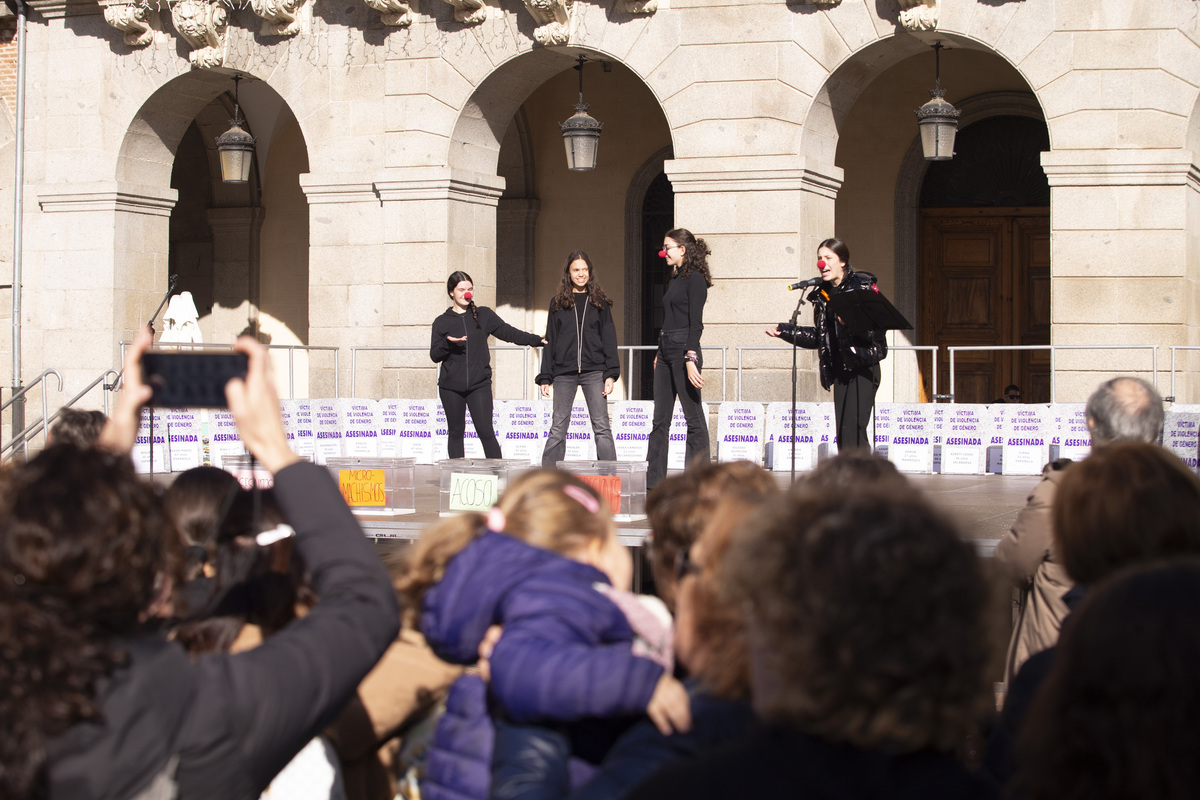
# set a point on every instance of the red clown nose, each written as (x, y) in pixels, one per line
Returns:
(467, 295)
(662, 253)
(820, 264)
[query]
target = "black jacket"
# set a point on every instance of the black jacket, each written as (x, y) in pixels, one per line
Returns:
(563, 354)
(468, 365)
(839, 352)
(233, 721)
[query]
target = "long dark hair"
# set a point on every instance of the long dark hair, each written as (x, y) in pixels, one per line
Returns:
(457, 277)
(839, 248)
(86, 543)
(1116, 715)
(566, 289)
(695, 254)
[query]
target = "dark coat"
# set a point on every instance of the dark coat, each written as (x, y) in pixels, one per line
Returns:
(468, 365)
(776, 762)
(563, 354)
(839, 352)
(566, 652)
(234, 721)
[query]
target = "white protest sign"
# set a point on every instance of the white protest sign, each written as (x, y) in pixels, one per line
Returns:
(183, 438)
(142, 448)
(1181, 433)
(440, 434)
(472, 446)
(631, 423)
(995, 448)
(911, 448)
(1026, 439)
(740, 432)
(298, 421)
(388, 414)
(523, 428)
(939, 416)
(224, 438)
(1071, 437)
(327, 430)
(416, 430)
(810, 424)
(827, 424)
(966, 432)
(883, 428)
(360, 430)
(581, 439)
(677, 443)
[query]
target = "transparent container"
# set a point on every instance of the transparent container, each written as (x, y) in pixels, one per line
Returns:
(375, 485)
(474, 484)
(622, 483)
(240, 468)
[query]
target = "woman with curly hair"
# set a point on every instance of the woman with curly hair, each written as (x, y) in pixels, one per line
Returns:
(580, 353)
(679, 360)
(867, 652)
(94, 705)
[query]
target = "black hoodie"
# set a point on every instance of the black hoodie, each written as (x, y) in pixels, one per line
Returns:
(563, 354)
(467, 365)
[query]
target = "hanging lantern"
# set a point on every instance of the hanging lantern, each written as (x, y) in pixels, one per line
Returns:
(235, 146)
(581, 133)
(937, 119)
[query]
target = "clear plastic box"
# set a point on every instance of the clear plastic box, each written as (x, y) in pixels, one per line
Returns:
(240, 468)
(376, 486)
(475, 484)
(622, 483)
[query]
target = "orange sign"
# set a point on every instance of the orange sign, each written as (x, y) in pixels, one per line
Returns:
(608, 487)
(362, 487)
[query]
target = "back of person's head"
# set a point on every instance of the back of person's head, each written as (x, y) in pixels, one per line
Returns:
(853, 469)
(76, 426)
(866, 618)
(1124, 409)
(84, 544)
(719, 654)
(1116, 717)
(197, 498)
(1125, 503)
(680, 506)
(545, 508)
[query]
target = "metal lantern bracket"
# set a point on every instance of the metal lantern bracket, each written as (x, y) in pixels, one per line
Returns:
(581, 132)
(937, 120)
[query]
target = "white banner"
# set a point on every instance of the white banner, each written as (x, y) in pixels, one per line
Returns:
(911, 447)
(360, 428)
(523, 428)
(965, 433)
(298, 421)
(812, 426)
(581, 439)
(416, 430)
(631, 423)
(183, 438)
(883, 428)
(1070, 437)
(1180, 427)
(388, 414)
(677, 446)
(142, 445)
(224, 438)
(1026, 439)
(740, 432)
(327, 430)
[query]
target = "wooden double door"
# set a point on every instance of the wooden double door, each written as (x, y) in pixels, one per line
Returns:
(985, 281)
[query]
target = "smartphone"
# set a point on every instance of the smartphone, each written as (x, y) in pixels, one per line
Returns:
(190, 380)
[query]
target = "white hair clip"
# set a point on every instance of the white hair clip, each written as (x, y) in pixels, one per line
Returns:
(277, 534)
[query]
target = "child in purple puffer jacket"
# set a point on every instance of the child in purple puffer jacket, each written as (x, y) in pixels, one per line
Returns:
(546, 566)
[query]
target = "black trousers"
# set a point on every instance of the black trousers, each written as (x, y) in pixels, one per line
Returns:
(456, 404)
(853, 399)
(671, 381)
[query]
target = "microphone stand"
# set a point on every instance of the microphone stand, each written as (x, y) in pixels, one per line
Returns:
(795, 348)
(170, 288)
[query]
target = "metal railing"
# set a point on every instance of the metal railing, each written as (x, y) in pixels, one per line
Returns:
(891, 349)
(1174, 347)
(291, 348)
(22, 438)
(628, 372)
(434, 367)
(1053, 348)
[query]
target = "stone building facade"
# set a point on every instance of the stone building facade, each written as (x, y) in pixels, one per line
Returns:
(398, 140)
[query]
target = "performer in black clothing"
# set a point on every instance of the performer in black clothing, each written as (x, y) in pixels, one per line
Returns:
(581, 352)
(459, 344)
(848, 362)
(678, 363)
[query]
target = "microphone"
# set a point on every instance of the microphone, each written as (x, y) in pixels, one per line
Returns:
(810, 281)
(805, 284)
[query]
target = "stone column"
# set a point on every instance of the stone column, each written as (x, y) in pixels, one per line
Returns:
(1117, 215)
(763, 217)
(95, 270)
(235, 271)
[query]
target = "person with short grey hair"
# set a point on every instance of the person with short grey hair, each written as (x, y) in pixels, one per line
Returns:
(1124, 409)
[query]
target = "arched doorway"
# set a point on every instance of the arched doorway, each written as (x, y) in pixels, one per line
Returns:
(985, 259)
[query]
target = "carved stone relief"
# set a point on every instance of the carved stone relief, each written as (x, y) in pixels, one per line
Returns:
(284, 17)
(553, 18)
(137, 21)
(394, 12)
(469, 12)
(639, 6)
(202, 25)
(919, 15)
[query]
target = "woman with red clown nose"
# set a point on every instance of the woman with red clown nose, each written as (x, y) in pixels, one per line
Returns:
(460, 345)
(678, 362)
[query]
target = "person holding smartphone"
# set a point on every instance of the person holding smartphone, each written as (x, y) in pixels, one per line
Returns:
(581, 352)
(460, 344)
(678, 362)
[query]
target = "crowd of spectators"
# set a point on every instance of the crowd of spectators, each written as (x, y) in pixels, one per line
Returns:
(826, 640)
